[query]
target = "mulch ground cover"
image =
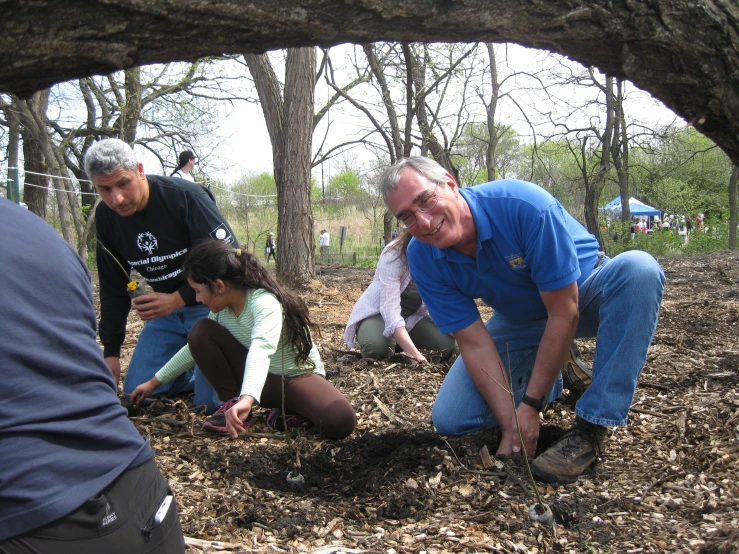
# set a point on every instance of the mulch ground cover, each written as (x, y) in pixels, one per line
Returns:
(667, 482)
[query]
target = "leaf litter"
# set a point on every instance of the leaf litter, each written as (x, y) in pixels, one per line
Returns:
(668, 482)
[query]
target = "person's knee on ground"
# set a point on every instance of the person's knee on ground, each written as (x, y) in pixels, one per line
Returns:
(425, 334)
(376, 351)
(159, 340)
(338, 421)
(206, 338)
(446, 421)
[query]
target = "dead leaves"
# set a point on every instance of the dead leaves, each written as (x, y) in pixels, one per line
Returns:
(668, 481)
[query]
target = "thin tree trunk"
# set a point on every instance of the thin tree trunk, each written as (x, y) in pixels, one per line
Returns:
(14, 138)
(35, 189)
(290, 126)
(490, 109)
(596, 185)
(732, 207)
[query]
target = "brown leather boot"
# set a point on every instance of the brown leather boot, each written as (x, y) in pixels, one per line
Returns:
(575, 452)
(576, 375)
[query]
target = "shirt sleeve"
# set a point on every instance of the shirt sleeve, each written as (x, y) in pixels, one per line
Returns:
(550, 251)
(176, 366)
(179, 363)
(115, 302)
(265, 338)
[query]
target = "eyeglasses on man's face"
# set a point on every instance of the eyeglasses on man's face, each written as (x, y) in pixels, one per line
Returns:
(425, 204)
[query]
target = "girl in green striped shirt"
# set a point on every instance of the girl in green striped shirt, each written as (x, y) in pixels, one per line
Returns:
(258, 333)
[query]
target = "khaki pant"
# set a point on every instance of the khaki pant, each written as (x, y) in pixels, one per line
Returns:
(424, 335)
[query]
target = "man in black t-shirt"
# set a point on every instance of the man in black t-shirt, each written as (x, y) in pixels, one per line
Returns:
(149, 223)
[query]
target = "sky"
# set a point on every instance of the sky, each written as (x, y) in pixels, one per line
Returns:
(245, 148)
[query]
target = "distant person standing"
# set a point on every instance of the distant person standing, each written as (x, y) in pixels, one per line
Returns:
(187, 164)
(269, 248)
(324, 239)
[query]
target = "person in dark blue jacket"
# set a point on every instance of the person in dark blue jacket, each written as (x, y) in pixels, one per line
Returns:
(76, 476)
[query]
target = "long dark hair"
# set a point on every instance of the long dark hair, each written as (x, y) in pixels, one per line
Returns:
(400, 244)
(184, 157)
(214, 259)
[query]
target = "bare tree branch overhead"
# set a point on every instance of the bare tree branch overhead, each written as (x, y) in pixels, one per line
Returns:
(686, 53)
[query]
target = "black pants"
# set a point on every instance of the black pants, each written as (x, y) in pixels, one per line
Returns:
(118, 520)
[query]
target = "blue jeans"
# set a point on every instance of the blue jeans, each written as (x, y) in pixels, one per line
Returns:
(160, 339)
(619, 306)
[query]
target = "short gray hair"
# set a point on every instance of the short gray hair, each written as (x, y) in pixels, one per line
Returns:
(108, 156)
(425, 166)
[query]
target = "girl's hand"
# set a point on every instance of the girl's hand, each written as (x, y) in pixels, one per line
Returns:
(236, 416)
(144, 390)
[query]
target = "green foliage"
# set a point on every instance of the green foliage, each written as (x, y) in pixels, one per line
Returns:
(666, 242)
(367, 262)
(715, 238)
(345, 187)
(682, 171)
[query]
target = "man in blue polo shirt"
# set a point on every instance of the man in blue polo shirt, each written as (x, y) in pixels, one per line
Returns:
(513, 245)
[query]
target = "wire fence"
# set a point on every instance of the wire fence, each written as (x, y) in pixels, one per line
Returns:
(362, 246)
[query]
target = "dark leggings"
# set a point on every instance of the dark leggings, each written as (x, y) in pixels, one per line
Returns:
(221, 358)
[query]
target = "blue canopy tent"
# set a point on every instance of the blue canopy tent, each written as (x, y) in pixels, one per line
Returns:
(636, 207)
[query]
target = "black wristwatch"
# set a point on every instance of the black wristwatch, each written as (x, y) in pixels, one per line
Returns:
(540, 404)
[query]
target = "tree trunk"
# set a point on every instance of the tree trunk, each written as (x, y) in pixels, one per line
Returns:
(417, 75)
(732, 207)
(620, 156)
(490, 109)
(594, 187)
(290, 126)
(14, 138)
(620, 151)
(35, 189)
(399, 146)
(128, 121)
(32, 115)
(36, 186)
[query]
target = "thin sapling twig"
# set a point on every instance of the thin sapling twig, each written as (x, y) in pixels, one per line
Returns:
(539, 511)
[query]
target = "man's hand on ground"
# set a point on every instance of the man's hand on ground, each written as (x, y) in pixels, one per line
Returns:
(528, 422)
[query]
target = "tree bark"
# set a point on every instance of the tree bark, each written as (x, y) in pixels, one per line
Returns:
(290, 126)
(32, 115)
(685, 53)
(36, 185)
(14, 139)
(732, 207)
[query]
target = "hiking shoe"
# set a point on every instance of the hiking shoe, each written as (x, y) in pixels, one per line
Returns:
(275, 420)
(576, 375)
(575, 452)
(217, 422)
